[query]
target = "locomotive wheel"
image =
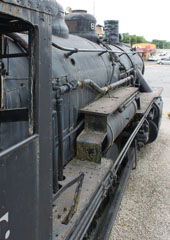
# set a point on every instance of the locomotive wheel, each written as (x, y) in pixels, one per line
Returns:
(153, 131)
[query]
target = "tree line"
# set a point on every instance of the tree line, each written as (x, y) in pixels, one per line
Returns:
(132, 39)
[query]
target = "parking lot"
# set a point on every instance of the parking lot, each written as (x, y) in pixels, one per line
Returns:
(145, 210)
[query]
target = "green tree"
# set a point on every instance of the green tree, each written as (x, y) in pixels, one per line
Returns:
(132, 39)
(141, 39)
(126, 38)
(161, 43)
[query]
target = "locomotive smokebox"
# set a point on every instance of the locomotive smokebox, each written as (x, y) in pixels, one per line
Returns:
(82, 24)
(111, 28)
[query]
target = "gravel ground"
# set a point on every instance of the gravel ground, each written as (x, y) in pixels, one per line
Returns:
(145, 209)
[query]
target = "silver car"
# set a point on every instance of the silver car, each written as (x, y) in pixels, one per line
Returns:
(165, 61)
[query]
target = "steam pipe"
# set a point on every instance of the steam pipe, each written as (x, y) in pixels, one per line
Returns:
(60, 90)
(144, 87)
(126, 72)
(104, 90)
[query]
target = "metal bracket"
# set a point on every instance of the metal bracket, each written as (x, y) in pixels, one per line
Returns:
(136, 155)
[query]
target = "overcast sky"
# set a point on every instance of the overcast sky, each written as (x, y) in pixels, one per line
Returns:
(148, 18)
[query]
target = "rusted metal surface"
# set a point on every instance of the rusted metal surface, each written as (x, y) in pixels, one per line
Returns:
(94, 175)
(147, 98)
(89, 145)
(31, 168)
(36, 5)
(90, 141)
(67, 199)
(99, 126)
(95, 123)
(109, 103)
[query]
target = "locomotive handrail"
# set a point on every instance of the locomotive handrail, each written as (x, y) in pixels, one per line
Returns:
(17, 146)
(76, 50)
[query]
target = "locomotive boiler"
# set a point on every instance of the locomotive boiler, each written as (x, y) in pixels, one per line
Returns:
(100, 112)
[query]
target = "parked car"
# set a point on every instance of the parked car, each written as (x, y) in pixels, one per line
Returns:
(164, 61)
(162, 53)
(152, 58)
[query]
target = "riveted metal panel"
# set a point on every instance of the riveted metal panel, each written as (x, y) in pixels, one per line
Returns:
(39, 25)
(44, 127)
(45, 6)
(18, 191)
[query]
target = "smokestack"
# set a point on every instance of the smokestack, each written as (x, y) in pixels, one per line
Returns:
(111, 28)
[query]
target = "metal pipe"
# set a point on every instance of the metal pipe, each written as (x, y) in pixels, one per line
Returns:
(123, 106)
(76, 50)
(60, 90)
(144, 87)
(74, 130)
(118, 83)
(59, 108)
(127, 53)
(126, 72)
(31, 59)
(104, 90)
(55, 162)
(95, 86)
(71, 132)
(18, 40)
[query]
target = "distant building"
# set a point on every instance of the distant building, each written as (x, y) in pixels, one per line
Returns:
(99, 30)
(147, 49)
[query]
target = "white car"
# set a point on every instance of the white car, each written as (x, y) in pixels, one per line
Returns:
(152, 58)
(162, 53)
(165, 61)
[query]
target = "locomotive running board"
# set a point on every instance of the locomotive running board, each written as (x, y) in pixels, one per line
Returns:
(147, 98)
(79, 228)
(111, 102)
(105, 225)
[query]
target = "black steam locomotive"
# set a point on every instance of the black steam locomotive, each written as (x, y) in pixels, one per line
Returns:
(75, 110)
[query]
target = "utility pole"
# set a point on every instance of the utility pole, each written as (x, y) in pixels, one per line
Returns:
(94, 7)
